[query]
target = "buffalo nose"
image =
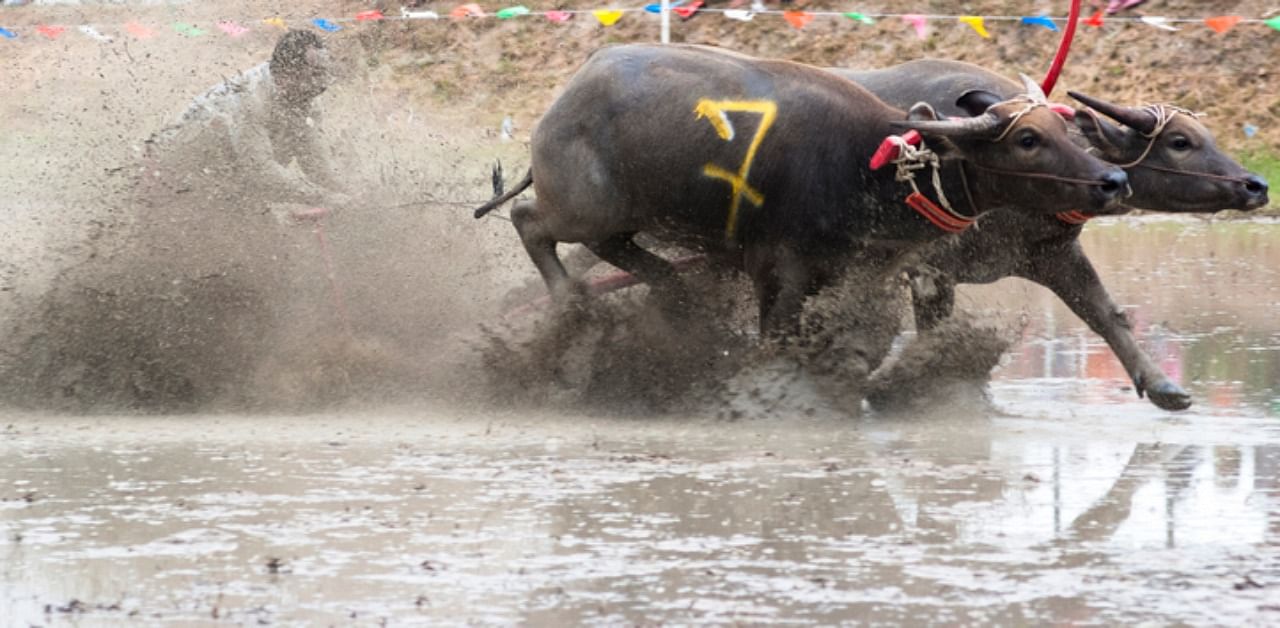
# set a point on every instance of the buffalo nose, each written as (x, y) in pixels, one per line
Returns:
(1255, 185)
(1114, 182)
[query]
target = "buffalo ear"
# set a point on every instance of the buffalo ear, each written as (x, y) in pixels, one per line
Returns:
(922, 111)
(1110, 140)
(975, 102)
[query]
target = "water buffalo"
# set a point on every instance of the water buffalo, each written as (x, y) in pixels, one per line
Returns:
(764, 165)
(1173, 165)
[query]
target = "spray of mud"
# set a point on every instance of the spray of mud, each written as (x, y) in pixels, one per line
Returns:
(181, 285)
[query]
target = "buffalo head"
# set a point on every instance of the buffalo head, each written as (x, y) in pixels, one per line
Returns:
(1171, 158)
(1019, 154)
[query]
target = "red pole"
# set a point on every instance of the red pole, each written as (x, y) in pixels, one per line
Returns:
(1064, 46)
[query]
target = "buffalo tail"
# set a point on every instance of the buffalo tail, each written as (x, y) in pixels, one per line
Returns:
(501, 197)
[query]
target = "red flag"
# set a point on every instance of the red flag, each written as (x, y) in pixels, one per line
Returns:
(797, 18)
(369, 16)
(1222, 23)
(51, 32)
(1096, 20)
(687, 11)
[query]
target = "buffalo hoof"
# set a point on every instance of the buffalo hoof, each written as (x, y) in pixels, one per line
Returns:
(1167, 395)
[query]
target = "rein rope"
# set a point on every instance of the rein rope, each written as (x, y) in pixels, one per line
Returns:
(1164, 114)
(911, 159)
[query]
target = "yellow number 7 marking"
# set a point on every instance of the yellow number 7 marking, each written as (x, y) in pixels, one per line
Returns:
(715, 112)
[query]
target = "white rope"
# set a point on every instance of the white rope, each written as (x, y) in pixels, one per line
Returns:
(912, 159)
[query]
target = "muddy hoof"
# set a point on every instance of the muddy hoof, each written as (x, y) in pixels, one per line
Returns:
(1169, 396)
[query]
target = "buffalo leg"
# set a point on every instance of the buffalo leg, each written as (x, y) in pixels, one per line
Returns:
(781, 283)
(622, 251)
(1070, 276)
(541, 247)
(933, 296)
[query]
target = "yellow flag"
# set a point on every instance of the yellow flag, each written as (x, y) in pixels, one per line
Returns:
(976, 22)
(607, 17)
(275, 21)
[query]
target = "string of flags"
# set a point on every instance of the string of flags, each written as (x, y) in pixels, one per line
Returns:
(684, 9)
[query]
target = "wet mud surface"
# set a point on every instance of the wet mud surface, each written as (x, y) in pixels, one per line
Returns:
(431, 516)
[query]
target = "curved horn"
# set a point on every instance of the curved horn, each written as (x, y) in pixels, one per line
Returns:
(985, 124)
(1033, 90)
(1136, 119)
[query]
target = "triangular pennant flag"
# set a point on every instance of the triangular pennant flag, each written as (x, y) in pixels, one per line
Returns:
(685, 12)
(1095, 20)
(371, 15)
(189, 30)
(918, 22)
(739, 14)
(977, 24)
(1274, 22)
(92, 33)
(607, 18)
(138, 30)
(1222, 23)
(510, 12)
(559, 17)
(1040, 20)
(51, 32)
(7, 34)
(858, 17)
(797, 19)
(231, 28)
(276, 22)
(1161, 23)
(466, 10)
(326, 25)
(418, 15)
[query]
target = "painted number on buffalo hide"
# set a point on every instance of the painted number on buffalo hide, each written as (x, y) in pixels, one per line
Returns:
(716, 112)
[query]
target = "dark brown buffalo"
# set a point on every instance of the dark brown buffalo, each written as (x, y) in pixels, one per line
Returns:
(1174, 167)
(764, 165)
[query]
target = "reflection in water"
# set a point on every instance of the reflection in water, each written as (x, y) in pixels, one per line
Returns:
(1204, 299)
(961, 520)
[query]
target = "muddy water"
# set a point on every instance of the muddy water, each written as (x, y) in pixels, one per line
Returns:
(1074, 502)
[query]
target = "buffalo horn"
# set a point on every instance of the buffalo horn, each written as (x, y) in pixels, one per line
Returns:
(985, 124)
(1033, 90)
(1136, 119)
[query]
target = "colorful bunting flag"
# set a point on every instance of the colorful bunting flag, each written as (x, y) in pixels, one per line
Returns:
(276, 22)
(1161, 23)
(977, 24)
(187, 29)
(685, 12)
(7, 34)
(51, 32)
(1040, 20)
(139, 31)
(419, 15)
(607, 18)
(1222, 23)
(559, 17)
(371, 15)
(1274, 22)
(741, 15)
(92, 33)
(231, 28)
(858, 17)
(1095, 20)
(917, 22)
(466, 10)
(326, 25)
(1250, 130)
(510, 12)
(797, 19)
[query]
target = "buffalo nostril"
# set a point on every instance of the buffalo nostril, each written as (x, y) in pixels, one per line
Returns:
(1255, 185)
(1114, 182)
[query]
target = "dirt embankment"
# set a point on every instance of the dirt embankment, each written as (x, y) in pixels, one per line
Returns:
(489, 68)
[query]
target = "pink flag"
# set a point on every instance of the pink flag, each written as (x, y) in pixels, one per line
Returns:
(559, 16)
(918, 21)
(231, 28)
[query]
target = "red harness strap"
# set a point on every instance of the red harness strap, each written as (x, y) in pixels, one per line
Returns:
(1074, 217)
(940, 218)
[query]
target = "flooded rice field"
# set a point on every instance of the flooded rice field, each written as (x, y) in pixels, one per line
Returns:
(1069, 501)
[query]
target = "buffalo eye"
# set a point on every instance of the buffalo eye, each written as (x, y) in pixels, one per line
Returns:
(1180, 142)
(1028, 140)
